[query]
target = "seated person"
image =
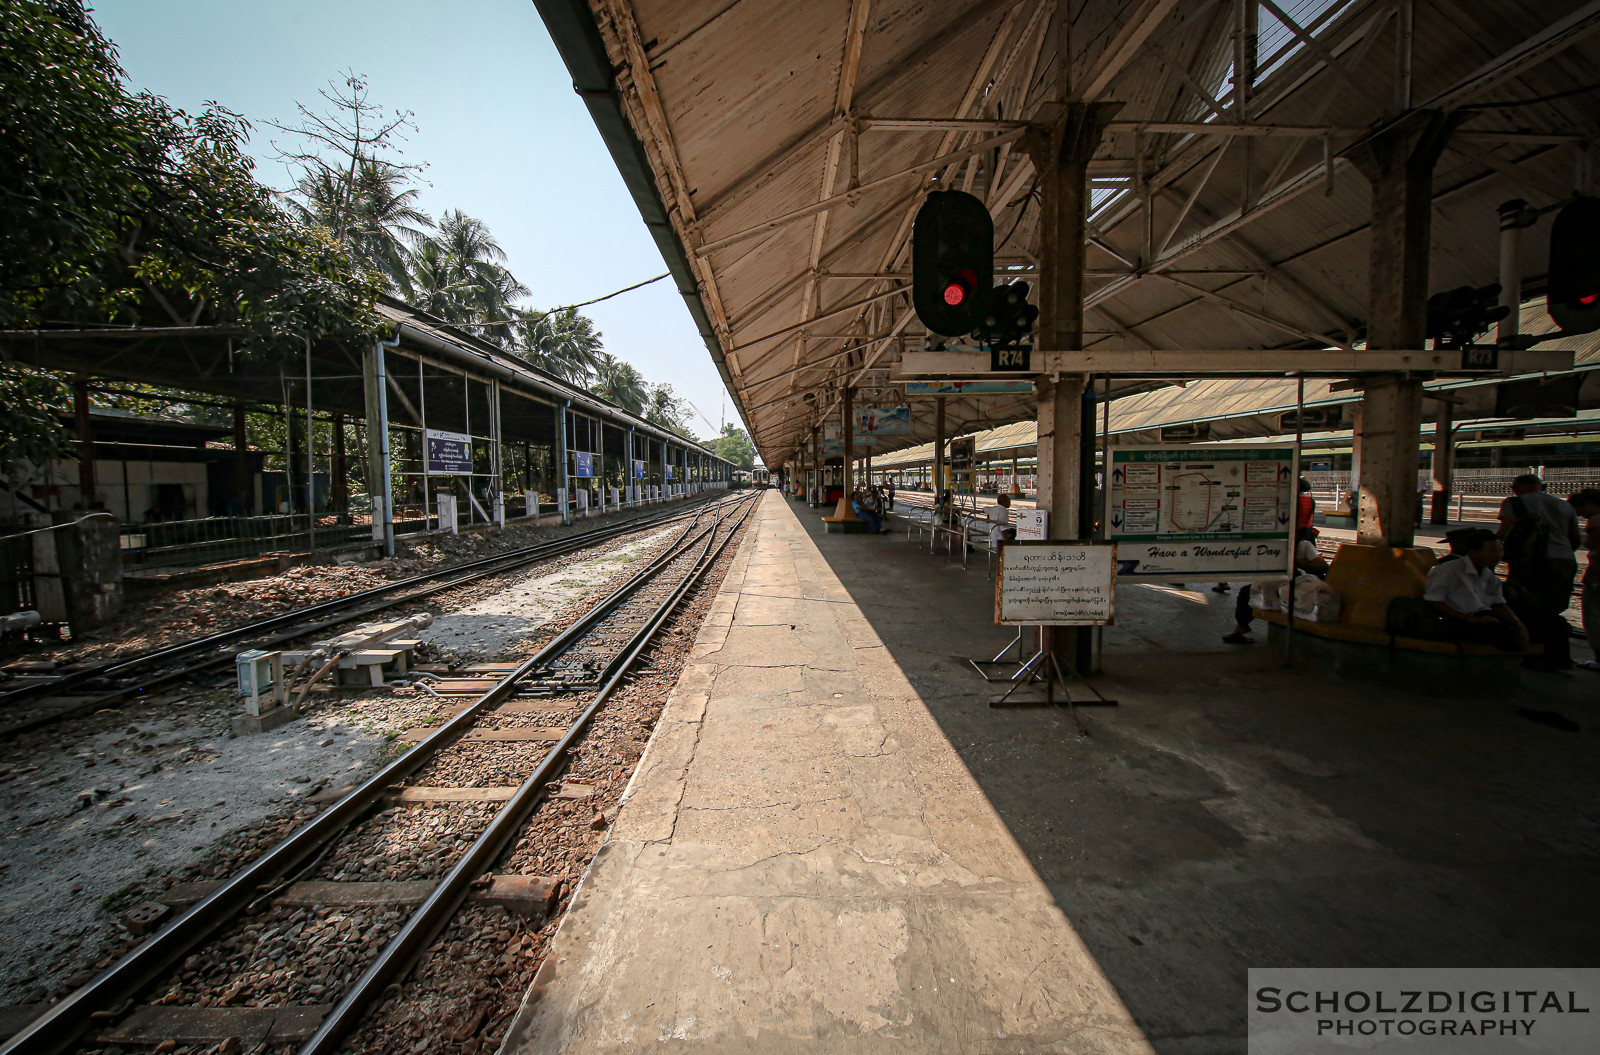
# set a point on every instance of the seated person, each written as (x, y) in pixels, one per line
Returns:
(945, 511)
(1469, 597)
(1000, 529)
(1306, 559)
(860, 503)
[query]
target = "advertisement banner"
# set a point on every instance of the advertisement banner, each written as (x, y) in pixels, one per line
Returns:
(883, 421)
(585, 463)
(968, 388)
(449, 453)
(1183, 514)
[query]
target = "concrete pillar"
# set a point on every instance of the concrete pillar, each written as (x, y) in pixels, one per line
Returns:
(1061, 154)
(80, 414)
(1443, 463)
(844, 511)
(1398, 162)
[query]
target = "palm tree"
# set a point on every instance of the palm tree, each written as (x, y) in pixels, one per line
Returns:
(563, 343)
(379, 223)
(621, 383)
(459, 274)
(664, 408)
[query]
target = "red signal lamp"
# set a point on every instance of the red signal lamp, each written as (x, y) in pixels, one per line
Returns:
(1590, 300)
(958, 288)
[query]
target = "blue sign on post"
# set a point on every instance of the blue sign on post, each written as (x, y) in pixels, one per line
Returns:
(669, 472)
(585, 463)
(449, 453)
(638, 469)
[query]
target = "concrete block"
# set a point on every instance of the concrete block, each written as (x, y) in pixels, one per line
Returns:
(250, 724)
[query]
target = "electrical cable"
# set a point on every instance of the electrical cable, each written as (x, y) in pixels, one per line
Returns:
(570, 307)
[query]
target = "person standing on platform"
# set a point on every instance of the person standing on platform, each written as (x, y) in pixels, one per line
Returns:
(1541, 538)
(1586, 504)
(888, 492)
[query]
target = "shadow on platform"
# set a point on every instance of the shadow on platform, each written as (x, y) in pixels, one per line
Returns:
(1233, 813)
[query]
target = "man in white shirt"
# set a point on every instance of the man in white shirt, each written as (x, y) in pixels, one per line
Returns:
(1467, 594)
(1000, 521)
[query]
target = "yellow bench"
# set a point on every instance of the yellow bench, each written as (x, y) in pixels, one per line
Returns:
(1367, 578)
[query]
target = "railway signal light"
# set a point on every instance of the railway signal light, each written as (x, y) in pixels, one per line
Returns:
(952, 262)
(1573, 298)
(1458, 315)
(1010, 317)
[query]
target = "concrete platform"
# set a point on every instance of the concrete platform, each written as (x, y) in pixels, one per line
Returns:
(834, 845)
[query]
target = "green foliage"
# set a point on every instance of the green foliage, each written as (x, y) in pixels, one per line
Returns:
(665, 408)
(30, 432)
(734, 445)
(563, 343)
(620, 383)
(118, 208)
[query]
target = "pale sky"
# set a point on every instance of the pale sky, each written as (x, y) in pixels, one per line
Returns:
(504, 137)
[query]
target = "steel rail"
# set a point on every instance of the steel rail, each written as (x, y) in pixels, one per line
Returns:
(477, 568)
(406, 947)
(65, 1021)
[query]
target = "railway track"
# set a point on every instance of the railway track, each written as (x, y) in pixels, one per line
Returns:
(40, 701)
(550, 699)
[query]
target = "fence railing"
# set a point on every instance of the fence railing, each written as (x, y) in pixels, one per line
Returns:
(212, 540)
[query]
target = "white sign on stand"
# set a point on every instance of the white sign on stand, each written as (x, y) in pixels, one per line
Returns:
(1033, 525)
(1055, 583)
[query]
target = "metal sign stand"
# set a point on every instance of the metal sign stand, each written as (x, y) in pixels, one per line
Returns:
(1043, 666)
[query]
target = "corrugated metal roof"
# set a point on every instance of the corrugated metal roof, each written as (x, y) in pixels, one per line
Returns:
(755, 120)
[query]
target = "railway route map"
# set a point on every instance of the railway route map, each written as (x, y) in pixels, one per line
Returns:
(1200, 514)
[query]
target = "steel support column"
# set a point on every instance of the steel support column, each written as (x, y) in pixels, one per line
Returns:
(938, 448)
(1398, 162)
(563, 484)
(374, 376)
(80, 414)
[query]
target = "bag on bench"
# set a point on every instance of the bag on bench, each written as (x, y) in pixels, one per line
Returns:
(1413, 617)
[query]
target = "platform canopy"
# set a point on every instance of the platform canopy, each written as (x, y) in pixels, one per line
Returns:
(779, 151)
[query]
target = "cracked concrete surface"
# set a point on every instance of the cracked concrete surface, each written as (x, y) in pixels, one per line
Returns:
(802, 863)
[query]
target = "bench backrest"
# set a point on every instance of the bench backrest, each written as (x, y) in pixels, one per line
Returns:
(1367, 578)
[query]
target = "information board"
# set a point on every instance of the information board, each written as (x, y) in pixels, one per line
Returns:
(449, 453)
(1182, 514)
(638, 469)
(583, 463)
(1055, 584)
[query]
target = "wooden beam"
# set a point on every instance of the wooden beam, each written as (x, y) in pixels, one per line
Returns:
(849, 196)
(1123, 47)
(1517, 60)
(1248, 362)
